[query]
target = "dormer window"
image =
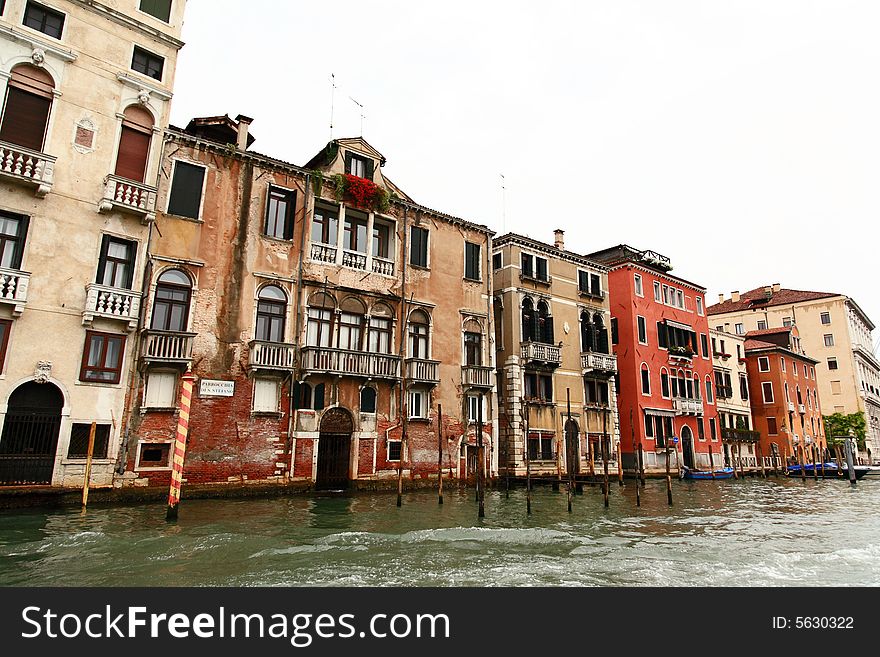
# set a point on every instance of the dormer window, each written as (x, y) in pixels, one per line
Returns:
(358, 165)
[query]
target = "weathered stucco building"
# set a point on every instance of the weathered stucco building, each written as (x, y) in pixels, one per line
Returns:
(86, 87)
(556, 371)
(326, 316)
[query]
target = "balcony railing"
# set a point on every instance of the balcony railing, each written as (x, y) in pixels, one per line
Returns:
(740, 435)
(354, 260)
(723, 392)
(532, 352)
(271, 355)
(351, 363)
(535, 278)
(598, 362)
(681, 355)
(685, 406)
(322, 253)
(383, 266)
(593, 294)
(423, 371)
(475, 376)
(129, 196)
(802, 409)
(167, 346)
(24, 165)
(14, 289)
(112, 303)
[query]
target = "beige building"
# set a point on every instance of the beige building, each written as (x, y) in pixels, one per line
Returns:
(86, 88)
(557, 393)
(833, 329)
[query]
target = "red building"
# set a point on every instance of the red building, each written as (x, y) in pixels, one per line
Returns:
(784, 397)
(666, 396)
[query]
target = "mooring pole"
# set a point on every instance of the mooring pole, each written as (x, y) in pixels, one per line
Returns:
(760, 453)
(440, 453)
(803, 461)
(525, 425)
(785, 459)
(711, 462)
(815, 462)
(641, 463)
(480, 466)
(570, 462)
(186, 389)
(668, 477)
(88, 474)
(606, 454)
(850, 462)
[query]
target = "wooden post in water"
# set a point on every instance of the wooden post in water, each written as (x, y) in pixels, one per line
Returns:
(823, 461)
(739, 455)
(641, 464)
(785, 459)
(814, 462)
(481, 513)
(711, 462)
(568, 448)
(179, 453)
(760, 453)
(440, 453)
(632, 433)
(605, 456)
(88, 473)
(668, 477)
(733, 460)
(592, 454)
(850, 460)
(803, 461)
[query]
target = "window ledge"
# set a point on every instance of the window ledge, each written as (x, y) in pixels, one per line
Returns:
(182, 218)
(82, 461)
(268, 414)
(163, 468)
(421, 420)
(159, 409)
(98, 384)
(423, 268)
(471, 280)
(280, 240)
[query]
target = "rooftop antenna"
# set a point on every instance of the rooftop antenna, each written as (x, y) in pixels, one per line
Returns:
(503, 205)
(362, 113)
(332, 99)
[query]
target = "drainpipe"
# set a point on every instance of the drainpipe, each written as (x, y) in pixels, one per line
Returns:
(490, 330)
(403, 409)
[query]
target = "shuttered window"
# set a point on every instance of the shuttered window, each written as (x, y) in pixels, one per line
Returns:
(419, 247)
(472, 261)
(5, 328)
(160, 390)
(266, 396)
(161, 9)
(116, 265)
(357, 165)
(134, 144)
(26, 110)
(185, 198)
(13, 232)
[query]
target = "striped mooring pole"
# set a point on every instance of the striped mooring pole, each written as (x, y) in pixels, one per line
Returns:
(186, 390)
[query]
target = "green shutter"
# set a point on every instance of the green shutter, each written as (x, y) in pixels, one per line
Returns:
(368, 169)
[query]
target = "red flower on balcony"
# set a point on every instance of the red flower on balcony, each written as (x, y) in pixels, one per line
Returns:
(361, 192)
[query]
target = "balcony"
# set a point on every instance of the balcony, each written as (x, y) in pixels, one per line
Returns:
(680, 356)
(167, 347)
(322, 253)
(537, 352)
(27, 166)
(271, 356)
(683, 406)
(354, 260)
(791, 407)
(129, 196)
(724, 392)
(111, 303)
(599, 295)
(476, 377)
(591, 362)
(532, 277)
(383, 266)
(419, 370)
(324, 360)
(740, 436)
(14, 289)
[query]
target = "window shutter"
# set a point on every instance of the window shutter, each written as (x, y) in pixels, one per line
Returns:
(597, 284)
(134, 147)
(319, 397)
(186, 190)
(542, 269)
(129, 271)
(548, 329)
(583, 279)
(289, 215)
(662, 339)
(102, 260)
(348, 158)
(614, 337)
(368, 169)
(23, 222)
(25, 119)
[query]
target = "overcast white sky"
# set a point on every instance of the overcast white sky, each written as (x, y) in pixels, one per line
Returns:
(741, 139)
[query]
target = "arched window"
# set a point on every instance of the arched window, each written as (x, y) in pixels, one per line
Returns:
(664, 383)
(646, 379)
(709, 396)
(799, 398)
(171, 304)
(368, 400)
(601, 334)
(351, 322)
(134, 144)
(545, 323)
(419, 324)
(271, 314)
(529, 321)
(473, 344)
(29, 96)
(379, 330)
(588, 339)
(319, 326)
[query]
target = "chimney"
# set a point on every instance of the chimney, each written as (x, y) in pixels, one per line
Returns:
(734, 296)
(559, 241)
(776, 288)
(244, 123)
(720, 298)
(768, 291)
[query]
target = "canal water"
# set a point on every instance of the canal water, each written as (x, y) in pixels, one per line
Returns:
(776, 532)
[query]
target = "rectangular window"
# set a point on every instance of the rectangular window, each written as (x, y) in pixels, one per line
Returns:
(79, 441)
(150, 64)
(638, 285)
(472, 261)
(41, 18)
(806, 375)
(161, 9)
(116, 263)
(357, 165)
(658, 294)
(279, 213)
(160, 390)
(825, 318)
(782, 365)
(596, 392)
(102, 358)
(325, 225)
(713, 431)
(664, 384)
(767, 392)
(154, 456)
(763, 364)
(643, 329)
(614, 337)
(379, 335)
(497, 261)
(646, 381)
(541, 447)
(538, 387)
(5, 328)
(355, 232)
(649, 425)
(829, 340)
(418, 404)
(473, 349)
(762, 325)
(541, 272)
(786, 321)
(418, 253)
(527, 265)
(709, 396)
(743, 387)
(704, 345)
(13, 233)
(185, 197)
(699, 302)
(394, 450)
(740, 329)
(267, 395)
(474, 410)
(772, 428)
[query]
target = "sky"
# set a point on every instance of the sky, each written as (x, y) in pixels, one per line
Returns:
(741, 139)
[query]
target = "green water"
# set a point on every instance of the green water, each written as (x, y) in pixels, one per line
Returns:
(755, 532)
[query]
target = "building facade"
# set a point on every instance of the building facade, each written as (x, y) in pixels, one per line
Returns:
(783, 387)
(732, 400)
(326, 317)
(833, 329)
(86, 88)
(556, 387)
(666, 384)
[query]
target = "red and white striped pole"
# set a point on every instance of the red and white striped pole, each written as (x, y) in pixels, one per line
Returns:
(186, 389)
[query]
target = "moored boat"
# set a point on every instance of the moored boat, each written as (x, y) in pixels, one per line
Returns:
(830, 471)
(718, 473)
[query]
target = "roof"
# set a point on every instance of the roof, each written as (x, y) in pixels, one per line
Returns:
(220, 129)
(769, 331)
(548, 249)
(758, 298)
(759, 344)
(651, 261)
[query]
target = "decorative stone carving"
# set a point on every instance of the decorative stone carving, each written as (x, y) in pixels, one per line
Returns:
(144, 97)
(43, 372)
(337, 420)
(38, 56)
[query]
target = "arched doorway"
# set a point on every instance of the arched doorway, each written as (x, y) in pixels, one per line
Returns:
(334, 450)
(30, 434)
(687, 446)
(572, 447)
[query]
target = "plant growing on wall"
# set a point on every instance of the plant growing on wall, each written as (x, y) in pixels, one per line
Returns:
(839, 425)
(361, 192)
